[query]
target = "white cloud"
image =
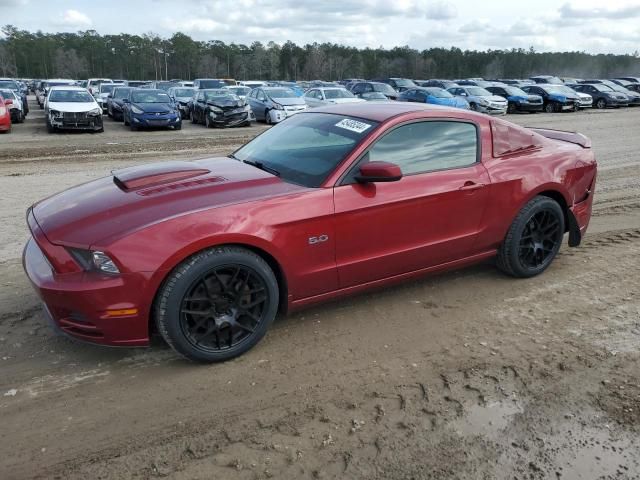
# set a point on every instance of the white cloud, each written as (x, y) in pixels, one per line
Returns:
(74, 19)
(441, 11)
(568, 11)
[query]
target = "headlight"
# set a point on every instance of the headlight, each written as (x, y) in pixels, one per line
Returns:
(483, 101)
(137, 110)
(102, 262)
(95, 112)
(215, 109)
(277, 106)
(54, 113)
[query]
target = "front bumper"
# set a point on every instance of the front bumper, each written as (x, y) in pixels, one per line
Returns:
(493, 109)
(232, 118)
(151, 120)
(528, 107)
(184, 110)
(91, 123)
(81, 304)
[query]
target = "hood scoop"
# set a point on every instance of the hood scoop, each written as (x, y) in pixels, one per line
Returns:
(156, 174)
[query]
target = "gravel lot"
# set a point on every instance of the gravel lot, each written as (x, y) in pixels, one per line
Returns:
(468, 374)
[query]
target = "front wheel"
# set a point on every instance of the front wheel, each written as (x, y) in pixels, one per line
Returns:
(550, 107)
(207, 120)
(217, 304)
(511, 108)
(534, 238)
(601, 103)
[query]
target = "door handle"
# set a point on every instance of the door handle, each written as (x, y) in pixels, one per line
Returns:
(471, 186)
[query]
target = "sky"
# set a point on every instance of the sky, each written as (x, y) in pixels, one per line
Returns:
(594, 26)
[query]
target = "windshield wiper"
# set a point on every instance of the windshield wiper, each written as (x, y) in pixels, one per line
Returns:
(262, 166)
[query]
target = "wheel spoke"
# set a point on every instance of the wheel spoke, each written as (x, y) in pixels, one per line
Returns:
(196, 312)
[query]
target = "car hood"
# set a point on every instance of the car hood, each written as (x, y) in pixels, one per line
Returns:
(227, 103)
(72, 106)
(131, 199)
(154, 107)
(289, 101)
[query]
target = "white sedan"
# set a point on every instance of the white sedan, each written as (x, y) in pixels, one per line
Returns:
(318, 97)
(72, 108)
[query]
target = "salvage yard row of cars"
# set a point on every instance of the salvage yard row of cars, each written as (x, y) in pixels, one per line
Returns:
(79, 105)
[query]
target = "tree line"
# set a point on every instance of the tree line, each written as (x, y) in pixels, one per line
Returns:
(88, 54)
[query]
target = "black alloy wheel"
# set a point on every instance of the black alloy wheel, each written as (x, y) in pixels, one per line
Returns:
(217, 304)
(533, 239)
(601, 103)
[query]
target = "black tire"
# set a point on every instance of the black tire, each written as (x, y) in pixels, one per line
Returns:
(601, 103)
(50, 128)
(527, 252)
(207, 120)
(185, 304)
(193, 117)
(41, 105)
(551, 107)
(511, 108)
(100, 130)
(133, 128)
(178, 126)
(124, 119)
(473, 106)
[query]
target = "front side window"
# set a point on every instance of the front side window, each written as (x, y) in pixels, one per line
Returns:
(427, 146)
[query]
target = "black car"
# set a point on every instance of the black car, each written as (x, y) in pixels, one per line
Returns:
(219, 107)
(555, 98)
(603, 95)
(633, 86)
(446, 84)
(366, 87)
(398, 84)
(115, 102)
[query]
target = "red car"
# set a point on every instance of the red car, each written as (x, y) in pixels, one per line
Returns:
(5, 115)
(328, 203)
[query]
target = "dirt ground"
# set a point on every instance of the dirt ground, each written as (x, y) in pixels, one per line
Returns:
(468, 374)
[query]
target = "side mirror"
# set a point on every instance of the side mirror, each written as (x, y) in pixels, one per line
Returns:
(379, 172)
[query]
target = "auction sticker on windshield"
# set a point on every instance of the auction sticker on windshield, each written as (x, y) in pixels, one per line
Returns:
(353, 125)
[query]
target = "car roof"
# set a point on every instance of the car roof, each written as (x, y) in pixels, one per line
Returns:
(379, 112)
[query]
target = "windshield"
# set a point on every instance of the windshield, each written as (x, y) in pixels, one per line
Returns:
(212, 84)
(150, 97)
(403, 82)
(374, 96)
(554, 89)
(220, 96)
(183, 92)
(602, 87)
(438, 93)
(383, 87)
(338, 93)
(307, 147)
(281, 93)
(71, 96)
(121, 92)
(515, 91)
(165, 85)
(107, 87)
(10, 84)
(478, 92)
(239, 90)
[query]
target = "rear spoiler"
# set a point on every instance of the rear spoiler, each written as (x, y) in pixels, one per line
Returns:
(571, 137)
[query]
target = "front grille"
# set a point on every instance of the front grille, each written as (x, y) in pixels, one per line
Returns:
(74, 116)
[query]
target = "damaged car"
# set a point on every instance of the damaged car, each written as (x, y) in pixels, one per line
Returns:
(72, 108)
(220, 108)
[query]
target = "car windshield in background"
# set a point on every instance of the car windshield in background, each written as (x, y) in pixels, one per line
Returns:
(566, 90)
(438, 93)
(479, 92)
(183, 92)
(107, 88)
(374, 95)
(239, 90)
(150, 97)
(403, 82)
(307, 147)
(602, 87)
(211, 84)
(70, 96)
(281, 93)
(383, 87)
(338, 93)
(165, 85)
(121, 92)
(10, 84)
(515, 91)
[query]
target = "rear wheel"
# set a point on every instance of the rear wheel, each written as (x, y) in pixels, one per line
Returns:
(124, 118)
(267, 117)
(511, 108)
(192, 116)
(550, 107)
(601, 103)
(534, 238)
(217, 304)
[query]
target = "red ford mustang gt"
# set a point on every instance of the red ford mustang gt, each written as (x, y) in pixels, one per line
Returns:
(329, 202)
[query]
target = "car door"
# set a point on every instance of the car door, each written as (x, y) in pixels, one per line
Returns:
(312, 98)
(431, 216)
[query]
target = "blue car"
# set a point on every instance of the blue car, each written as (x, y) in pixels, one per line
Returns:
(433, 95)
(147, 108)
(555, 98)
(519, 100)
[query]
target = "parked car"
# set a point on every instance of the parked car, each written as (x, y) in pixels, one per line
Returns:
(555, 98)
(186, 84)
(398, 84)
(239, 90)
(13, 103)
(253, 83)
(317, 97)
(22, 93)
(547, 79)
(481, 100)
(135, 83)
(274, 104)
(514, 82)
(474, 83)
(150, 108)
(93, 84)
(208, 83)
(220, 108)
(43, 90)
(115, 102)
(632, 96)
(183, 99)
(518, 100)
(584, 99)
(5, 115)
(433, 95)
(162, 85)
(321, 206)
(445, 84)
(568, 80)
(102, 95)
(603, 95)
(69, 107)
(632, 86)
(374, 97)
(630, 79)
(366, 87)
